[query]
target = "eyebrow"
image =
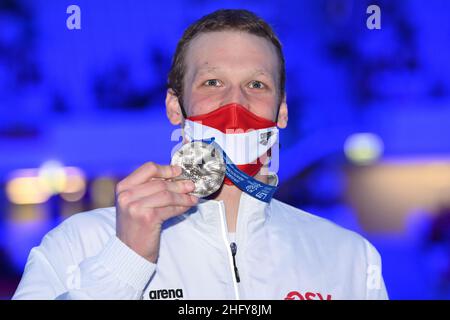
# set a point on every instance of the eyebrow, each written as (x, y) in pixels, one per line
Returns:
(260, 72)
(202, 70)
(213, 70)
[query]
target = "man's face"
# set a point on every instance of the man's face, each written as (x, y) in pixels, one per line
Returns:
(230, 66)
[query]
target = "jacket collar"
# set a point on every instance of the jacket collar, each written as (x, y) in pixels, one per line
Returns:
(252, 214)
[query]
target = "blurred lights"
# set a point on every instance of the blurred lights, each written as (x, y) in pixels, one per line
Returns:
(363, 148)
(385, 195)
(75, 186)
(27, 213)
(102, 192)
(27, 190)
(53, 174)
(34, 186)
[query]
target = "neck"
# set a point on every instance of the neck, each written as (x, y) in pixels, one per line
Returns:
(231, 196)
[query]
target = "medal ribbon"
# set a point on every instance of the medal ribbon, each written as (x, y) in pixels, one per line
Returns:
(248, 184)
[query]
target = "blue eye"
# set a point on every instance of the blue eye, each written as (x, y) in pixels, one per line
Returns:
(212, 83)
(256, 85)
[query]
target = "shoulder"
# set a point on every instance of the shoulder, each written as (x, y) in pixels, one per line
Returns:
(83, 233)
(91, 225)
(287, 214)
(95, 220)
(329, 249)
(315, 230)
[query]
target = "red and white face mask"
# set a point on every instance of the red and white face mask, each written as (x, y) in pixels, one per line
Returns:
(244, 136)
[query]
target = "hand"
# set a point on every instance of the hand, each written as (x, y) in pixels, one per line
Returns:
(144, 200)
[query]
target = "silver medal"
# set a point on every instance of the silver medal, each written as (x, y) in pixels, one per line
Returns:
(203, 164)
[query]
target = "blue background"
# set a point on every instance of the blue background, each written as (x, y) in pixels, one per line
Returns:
(94, 99)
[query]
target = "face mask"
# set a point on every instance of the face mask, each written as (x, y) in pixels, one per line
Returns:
(244, 136)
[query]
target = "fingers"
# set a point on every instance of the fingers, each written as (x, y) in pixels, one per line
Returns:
(161, 205)
(145, 172)
(166, 198)
(155, 186)
(170, 212)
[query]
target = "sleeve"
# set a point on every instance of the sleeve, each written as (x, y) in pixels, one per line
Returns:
(52, 272)
(375, 286)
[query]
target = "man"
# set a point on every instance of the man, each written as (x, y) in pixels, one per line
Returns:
(161, 242)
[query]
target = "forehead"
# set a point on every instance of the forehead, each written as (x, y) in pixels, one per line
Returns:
(231, 50)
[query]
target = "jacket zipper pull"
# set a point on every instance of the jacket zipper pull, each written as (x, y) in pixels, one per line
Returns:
(233, 247)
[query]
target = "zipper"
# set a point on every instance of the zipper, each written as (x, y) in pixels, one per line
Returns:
(233, 248)
(231, 256)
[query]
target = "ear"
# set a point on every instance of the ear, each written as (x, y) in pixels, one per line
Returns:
(283, 114)
(173, 108)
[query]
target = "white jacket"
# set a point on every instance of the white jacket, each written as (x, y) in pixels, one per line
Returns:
(282, 252)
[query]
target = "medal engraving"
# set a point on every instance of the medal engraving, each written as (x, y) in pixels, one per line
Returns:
(203, 164)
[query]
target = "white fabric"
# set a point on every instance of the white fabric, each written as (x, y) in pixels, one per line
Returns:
(241, 148)
(281, 251)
